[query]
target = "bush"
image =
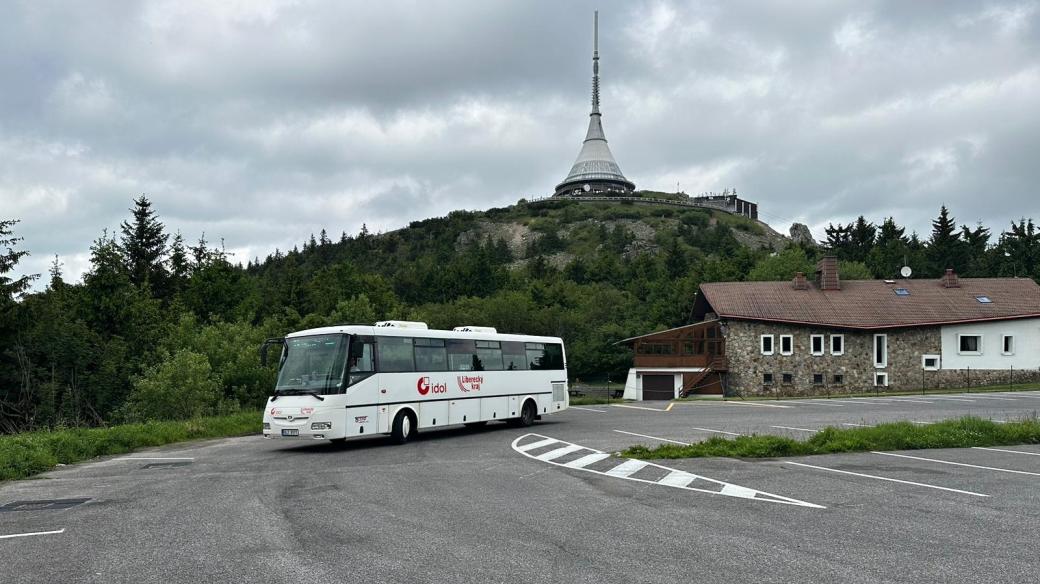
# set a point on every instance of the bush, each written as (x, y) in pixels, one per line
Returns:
(178, 388)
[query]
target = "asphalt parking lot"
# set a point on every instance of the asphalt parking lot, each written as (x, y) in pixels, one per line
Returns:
(545, 504)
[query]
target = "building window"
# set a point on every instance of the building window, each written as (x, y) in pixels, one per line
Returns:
(1009, 345)
(969, 344)
(786, 345)
(817, 378)
(839, 378)
(880, 351)
(837, 344)
(767, 379)
(880, 379)
(767, 344)
(787, 378)
(656, 348)
(930, 362)
(816, 342)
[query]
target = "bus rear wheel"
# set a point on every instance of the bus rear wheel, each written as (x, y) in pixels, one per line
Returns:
(404, 427)
(527, 415)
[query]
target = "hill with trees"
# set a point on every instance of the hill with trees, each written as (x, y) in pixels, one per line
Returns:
(162, 328)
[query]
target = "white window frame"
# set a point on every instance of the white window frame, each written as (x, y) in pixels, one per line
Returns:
(762, 344)
(960, 352)
(883, 363)
(924, 362)
(842, 351)
(880, 379)
(1005, 348)
(790, 343)
(812, 343)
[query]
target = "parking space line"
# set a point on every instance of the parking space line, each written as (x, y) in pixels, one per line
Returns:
(14, 535)
(586, 409)
(859, 403)
(1004, 450)
(1008, 470)
(977, 396)
(153, 458)
(952, 399)
(1021, 395)
(858, 425)
(793, 428)
(643, 408)
(761, 405)
(859, 474)
(652, 437)
(552, 454)
(913, 401)
(816, 402)
(627, 468)
(716, 431)
(870, 400)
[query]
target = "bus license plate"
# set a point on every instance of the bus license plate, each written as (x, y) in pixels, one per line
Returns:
(290, 432)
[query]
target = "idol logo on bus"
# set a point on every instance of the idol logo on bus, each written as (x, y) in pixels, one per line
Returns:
(468, 383)
(424, 386)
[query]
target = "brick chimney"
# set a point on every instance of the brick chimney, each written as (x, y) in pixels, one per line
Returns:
(800, 283)
(950, 280)
(827, 273)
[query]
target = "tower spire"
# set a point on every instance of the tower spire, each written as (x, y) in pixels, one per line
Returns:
(595, 62)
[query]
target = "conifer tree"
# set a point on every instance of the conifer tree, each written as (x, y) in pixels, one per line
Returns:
(945, 248)
(11, 288)
(143, 244)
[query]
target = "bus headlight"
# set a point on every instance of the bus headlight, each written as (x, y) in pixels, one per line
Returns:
(321, 426)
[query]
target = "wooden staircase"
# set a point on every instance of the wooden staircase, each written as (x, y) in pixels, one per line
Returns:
(718, 365)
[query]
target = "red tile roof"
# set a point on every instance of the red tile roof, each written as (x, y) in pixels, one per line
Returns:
(873, 304)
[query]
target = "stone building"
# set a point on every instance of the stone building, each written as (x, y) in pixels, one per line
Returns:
(826, 336)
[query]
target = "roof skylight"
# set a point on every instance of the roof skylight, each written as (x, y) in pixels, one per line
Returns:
(902, 292)
(983, 299)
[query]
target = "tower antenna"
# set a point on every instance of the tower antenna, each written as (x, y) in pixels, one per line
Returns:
(595, 63)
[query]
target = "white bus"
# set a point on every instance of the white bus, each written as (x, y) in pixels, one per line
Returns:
(400, 377)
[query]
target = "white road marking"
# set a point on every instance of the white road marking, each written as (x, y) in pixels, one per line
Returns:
(999, 421)
(538, 444)
(627, 468)
(1003, 450)
(861, 402)
(586, 409)
(675, 478)
(1021, 472)
(639, 408)
(816, 402)
(1016, 394)
(558, 452)
(14, 535)
(748, 403)
(858, 474)
(858, 425)
(153, 458)
(678, 478)
(919, 422)
(871, 400)
(793, 428)
(716, 431)
(914, 401)
(978, 396)
(951, 399)
(586, 460)
(653, 437)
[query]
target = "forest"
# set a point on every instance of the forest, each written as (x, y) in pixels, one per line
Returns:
(161, 327)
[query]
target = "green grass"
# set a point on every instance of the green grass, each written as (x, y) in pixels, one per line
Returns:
(959, 433)
(30, 453)
(585, 400)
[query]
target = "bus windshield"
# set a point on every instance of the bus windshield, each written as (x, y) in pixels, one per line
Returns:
(312, 364)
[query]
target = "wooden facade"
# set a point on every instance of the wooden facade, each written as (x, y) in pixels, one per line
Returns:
(696, 346)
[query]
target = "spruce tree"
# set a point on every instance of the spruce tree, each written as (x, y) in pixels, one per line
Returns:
(11, 288)
(143, 244)
(945, 248)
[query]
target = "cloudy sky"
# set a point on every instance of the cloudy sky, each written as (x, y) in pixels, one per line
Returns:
(261, 122)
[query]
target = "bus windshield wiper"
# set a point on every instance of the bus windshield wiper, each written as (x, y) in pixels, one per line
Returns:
(313, 393)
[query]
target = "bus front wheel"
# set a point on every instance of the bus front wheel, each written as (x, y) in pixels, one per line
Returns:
(404, 427)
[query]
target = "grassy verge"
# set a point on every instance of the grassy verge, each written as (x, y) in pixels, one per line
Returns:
(23, 455)
(959, 433)
(974, 389)
(585, 400)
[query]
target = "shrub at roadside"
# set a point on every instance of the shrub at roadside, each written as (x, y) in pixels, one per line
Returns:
(180, 387)
(23, 455)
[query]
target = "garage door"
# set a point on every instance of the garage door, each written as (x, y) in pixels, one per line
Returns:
(658, 387)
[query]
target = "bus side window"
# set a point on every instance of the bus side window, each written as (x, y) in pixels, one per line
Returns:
(361, 363)
(430, 355)
(462, 355)
(395, 354)
(535, 355)
(553, 357)
(514, 356)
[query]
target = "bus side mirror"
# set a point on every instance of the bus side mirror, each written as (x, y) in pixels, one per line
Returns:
(263, 349)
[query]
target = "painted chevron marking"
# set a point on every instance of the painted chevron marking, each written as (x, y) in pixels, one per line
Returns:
(628, 467)
(553, 454)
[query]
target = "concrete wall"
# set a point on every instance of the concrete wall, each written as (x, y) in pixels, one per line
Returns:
(1026, 355)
